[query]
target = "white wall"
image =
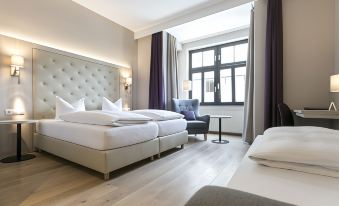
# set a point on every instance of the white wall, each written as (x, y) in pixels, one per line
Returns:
(336, 26)
(144, 60)
(233, 125)
(60, 24)
(336, 58)
(308, 52)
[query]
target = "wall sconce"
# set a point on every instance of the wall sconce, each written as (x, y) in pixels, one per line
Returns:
(17, 62)
(187, 85)
(128, 82)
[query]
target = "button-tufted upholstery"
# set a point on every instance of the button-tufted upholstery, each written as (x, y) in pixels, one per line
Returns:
(199, 126)
(71, 79)
(180, 105)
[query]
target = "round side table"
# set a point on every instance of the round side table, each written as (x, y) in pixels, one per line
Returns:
(19, 157)
(220, 117)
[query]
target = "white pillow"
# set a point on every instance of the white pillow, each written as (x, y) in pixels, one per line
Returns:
(107, 105)
(159, 115)
(63, 107)
(90, 117)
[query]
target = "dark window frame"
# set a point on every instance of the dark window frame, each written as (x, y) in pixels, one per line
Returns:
(216, 68)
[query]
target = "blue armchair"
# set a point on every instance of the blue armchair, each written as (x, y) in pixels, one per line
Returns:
(198, 126)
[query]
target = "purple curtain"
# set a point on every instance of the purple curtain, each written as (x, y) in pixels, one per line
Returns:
(273, 63)
(156, 81)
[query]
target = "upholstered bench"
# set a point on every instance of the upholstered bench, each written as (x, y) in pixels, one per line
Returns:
(222, 196)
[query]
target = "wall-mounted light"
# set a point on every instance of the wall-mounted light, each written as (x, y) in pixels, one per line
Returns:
(334, 86)
(128, 82)
(187, 85)
(17, 62)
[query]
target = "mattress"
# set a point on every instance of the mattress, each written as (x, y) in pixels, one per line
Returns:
(96, 136)
(285, 185)
(169, 127)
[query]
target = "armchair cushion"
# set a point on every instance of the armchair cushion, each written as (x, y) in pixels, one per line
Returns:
(205, 118)
(189, 115)
(196, 124)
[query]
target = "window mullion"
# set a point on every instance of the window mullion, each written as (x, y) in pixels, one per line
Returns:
(233, 84)
(217, 97)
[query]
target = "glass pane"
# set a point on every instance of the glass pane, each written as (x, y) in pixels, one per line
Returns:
(209, 87)
(196, 86)
(241, 52)
(240, 78)
(227, 55)
(197, 60)
(226, 85)
(208, 58)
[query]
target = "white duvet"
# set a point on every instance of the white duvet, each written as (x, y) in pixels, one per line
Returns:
(105, 118)
(158, 115)
(306, 149)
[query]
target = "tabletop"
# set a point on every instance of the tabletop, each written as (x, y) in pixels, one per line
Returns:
(20, 121)
(220, 116)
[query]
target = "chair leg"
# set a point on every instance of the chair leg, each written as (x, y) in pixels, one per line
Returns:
(205, 136)
(182, 146)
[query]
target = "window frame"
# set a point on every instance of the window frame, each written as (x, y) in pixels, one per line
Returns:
(216, 68)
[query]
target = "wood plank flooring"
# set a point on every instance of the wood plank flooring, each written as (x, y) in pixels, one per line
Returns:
(170, 180)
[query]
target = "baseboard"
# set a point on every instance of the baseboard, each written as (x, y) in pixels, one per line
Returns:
(225, 133)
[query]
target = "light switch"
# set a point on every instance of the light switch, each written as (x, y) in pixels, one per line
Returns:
(9, 112)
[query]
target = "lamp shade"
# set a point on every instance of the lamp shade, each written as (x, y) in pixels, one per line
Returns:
(335, 83)
(128, 80)
(17, 61)
(187, 85)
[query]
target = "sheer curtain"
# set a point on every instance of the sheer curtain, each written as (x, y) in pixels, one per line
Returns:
(248, 129)
(172, 71)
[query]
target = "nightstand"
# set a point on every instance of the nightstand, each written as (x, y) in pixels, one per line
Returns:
(19, 157)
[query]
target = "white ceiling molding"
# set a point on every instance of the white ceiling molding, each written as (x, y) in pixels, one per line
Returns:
(216, 34)
(172, 22)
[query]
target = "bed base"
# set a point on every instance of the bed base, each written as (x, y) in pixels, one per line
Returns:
(108, 160)
(172, 141)
(101, 161)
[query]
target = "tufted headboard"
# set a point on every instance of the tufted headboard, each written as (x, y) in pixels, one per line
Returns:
(71, 79)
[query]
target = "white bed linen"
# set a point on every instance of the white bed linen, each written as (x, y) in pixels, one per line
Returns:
(285, 185)
(171, 127)
(97, 136)
(158, 115)
(306, 149)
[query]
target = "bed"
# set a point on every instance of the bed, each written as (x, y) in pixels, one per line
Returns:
(105, 148)
(172, 133)
(284, 185)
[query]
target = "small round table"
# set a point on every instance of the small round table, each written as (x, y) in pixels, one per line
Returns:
(19, 157)
(220, 117)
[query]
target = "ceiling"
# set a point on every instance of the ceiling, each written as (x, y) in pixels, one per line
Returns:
(138, 15)
(222, 22)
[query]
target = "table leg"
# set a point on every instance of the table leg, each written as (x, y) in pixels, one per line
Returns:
(219, 129)
(220, 141)
(18, 142)
(19, 157)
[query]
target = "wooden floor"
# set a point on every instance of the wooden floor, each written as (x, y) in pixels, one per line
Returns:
(170, 180)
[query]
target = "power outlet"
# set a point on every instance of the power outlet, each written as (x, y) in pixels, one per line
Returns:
(9, 112)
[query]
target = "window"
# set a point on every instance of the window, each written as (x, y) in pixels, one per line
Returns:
(218, 74)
